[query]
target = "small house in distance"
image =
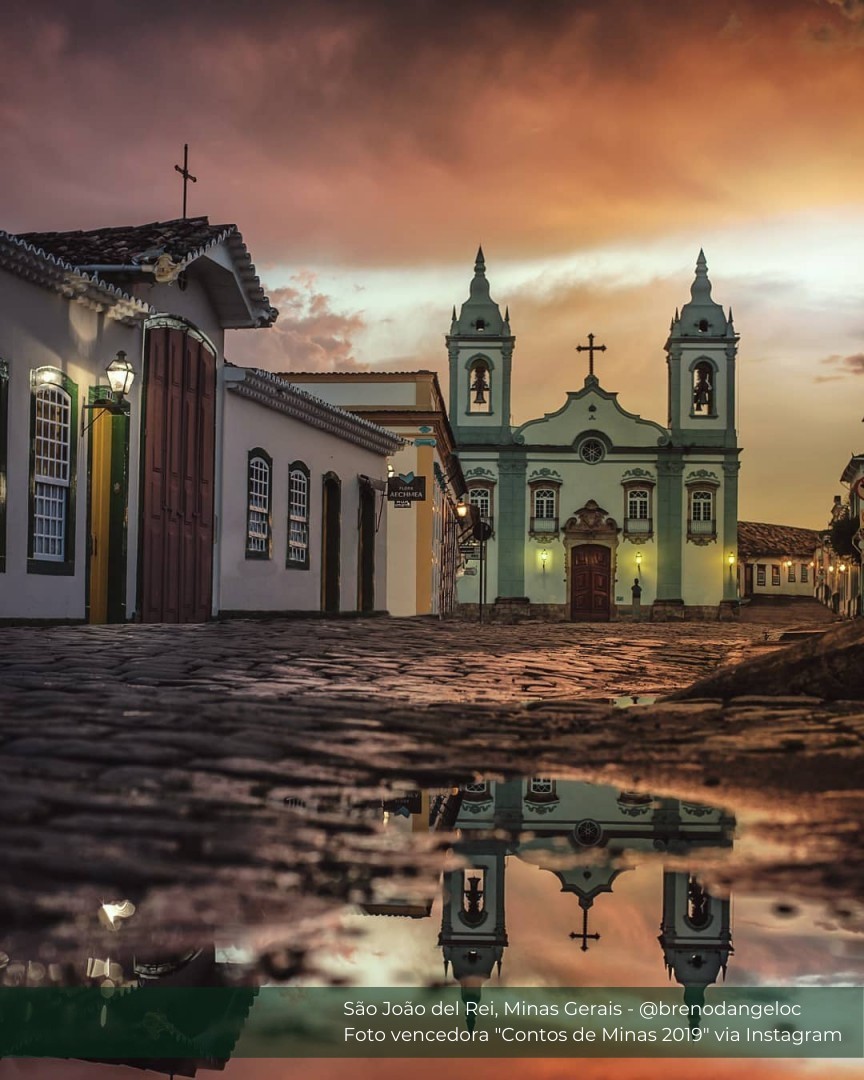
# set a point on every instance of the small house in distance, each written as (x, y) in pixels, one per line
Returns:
(776, 560)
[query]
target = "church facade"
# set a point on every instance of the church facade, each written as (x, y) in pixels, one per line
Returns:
(596, 512)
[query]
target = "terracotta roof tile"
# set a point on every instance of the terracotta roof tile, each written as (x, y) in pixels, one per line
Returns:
(183, 240)
(757, 538)
(127, 243)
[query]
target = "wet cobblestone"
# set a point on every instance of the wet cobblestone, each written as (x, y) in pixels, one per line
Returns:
(155, 762)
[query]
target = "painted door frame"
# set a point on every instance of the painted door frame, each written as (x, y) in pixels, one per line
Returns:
(112, 535)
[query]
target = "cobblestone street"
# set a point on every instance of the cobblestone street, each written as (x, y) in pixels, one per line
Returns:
(166, 764)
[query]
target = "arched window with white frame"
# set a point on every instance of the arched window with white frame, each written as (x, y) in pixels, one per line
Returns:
(259, 483)
(701, 520)
(544, 507)
(298, 516)
(52, 488)
(638, 508)
(481, 497)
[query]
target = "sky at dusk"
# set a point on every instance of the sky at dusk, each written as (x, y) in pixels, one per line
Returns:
(365, 148)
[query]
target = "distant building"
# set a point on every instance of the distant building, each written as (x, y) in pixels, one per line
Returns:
(422, 535)
(590, 497)
(841, 583)
(777, 560)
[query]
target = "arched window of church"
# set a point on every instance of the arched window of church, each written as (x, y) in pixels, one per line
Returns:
(702, 513)
(638, 517)
(481, 497)
(637, 504)
(544, 503)
(703, 389)
(479, 387)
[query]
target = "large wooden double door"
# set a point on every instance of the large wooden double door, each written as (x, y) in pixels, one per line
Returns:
(590, 583)
(178, 477)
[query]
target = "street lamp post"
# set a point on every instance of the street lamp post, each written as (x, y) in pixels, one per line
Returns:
(482, 533)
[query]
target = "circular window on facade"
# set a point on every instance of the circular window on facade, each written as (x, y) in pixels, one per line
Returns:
(587, 832)
(592, 451)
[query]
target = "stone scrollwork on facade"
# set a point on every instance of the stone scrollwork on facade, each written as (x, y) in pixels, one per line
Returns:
(592, 518)
(479, 473)
(545, 474)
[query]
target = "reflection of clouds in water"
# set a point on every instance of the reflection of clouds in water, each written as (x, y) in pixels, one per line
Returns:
(631, 1069)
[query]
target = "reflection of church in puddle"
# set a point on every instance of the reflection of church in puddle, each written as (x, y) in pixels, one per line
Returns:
(579, 832)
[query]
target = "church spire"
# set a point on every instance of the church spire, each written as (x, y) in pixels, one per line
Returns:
(479, 314)
(701, 316)
(700, 290)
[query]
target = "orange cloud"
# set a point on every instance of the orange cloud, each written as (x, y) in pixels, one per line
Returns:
(377, 133)
(308, 335)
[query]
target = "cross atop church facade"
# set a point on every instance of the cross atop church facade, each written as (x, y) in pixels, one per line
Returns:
(590, 348)
(187, 176)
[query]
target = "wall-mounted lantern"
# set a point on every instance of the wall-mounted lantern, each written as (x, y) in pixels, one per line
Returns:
(121, 375)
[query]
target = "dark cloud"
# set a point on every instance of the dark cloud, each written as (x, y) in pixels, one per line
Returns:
(841, 367)
(371, 132)
(307, 336)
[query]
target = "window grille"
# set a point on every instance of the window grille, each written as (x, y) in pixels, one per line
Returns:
(482, 499)
(258, 528)
(298, 516)
(702, 513)
(51, 472)
(544, 503)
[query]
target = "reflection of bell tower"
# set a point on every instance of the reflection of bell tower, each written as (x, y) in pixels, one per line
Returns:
(695, 934)
(473, 935)
(480, 348)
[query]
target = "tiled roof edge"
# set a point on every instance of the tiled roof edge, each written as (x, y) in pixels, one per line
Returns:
(275, 392)
(72, 283)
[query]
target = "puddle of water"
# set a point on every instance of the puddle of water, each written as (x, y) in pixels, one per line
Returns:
(532, 882)
(627, 701)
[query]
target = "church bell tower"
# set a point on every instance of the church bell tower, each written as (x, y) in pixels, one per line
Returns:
(695, 934)
(700, 354)
(480, 350)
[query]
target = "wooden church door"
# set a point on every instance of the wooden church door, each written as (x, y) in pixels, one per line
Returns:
(178, 477)
(590, 581)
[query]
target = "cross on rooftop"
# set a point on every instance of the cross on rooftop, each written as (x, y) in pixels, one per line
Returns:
(590, 348)
(187, 176)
